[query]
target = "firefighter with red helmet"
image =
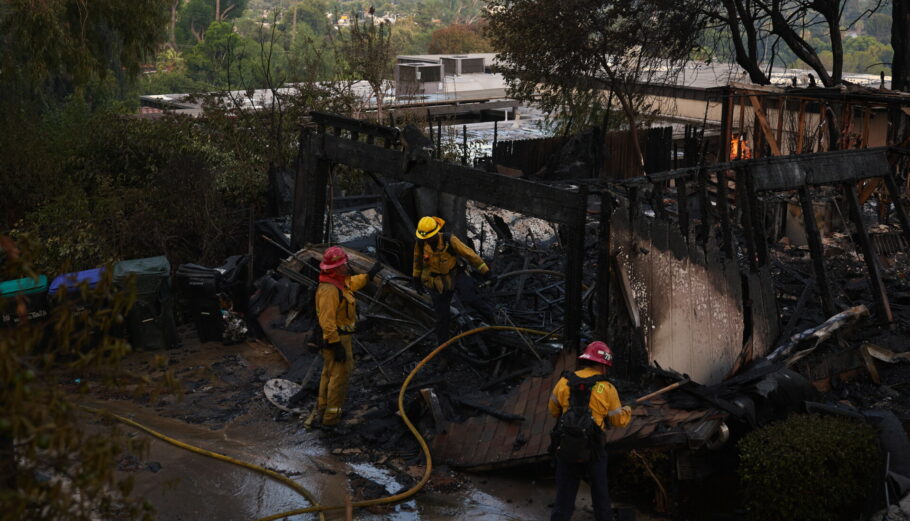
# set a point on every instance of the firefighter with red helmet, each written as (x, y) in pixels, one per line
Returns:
(585, 402)
(336, 310)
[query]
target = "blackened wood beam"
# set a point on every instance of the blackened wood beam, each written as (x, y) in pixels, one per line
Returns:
(603, 266)
(309, 193)
(575, 260)
(789, 172)
(529, 198)
(895, 193)
(389, 134)
(875, 277)
(758, 222)
(704, 229)
(816, 250)
(744, 203)
(723, 208)
(682, 206)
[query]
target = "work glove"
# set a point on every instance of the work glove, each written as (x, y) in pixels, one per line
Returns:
(627, 409)
(338, 351)
(374, 270)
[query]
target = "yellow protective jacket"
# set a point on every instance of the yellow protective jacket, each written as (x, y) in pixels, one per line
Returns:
(604, 401)
(438, 259)
(337, 310)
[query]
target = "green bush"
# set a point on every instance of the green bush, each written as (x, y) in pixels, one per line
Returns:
(808, 467)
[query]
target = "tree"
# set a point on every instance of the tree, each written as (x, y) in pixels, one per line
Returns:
(766, 24)
(878, 26)
(51, 48)
(368, 49)
(222, 57)
(573, 49)
(196, 16)
(458, 39)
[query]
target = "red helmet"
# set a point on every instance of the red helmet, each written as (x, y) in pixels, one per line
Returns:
(599, 352)
(333, 257)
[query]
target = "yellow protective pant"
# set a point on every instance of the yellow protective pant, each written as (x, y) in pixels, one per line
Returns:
(333, 386)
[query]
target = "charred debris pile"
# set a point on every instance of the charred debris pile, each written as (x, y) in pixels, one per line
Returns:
(727, 280)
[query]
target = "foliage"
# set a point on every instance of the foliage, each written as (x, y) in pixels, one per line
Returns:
(576, 48)
(54, 465)
(48, 49)
(459, 39)
(113, 178)
(367, 49)
(800, 33)
(808, 467)
(197, 15)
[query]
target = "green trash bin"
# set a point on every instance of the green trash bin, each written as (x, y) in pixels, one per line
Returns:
(150, 323)
(33, 290)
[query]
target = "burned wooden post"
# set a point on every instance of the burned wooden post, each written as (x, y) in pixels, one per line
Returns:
(682, 206)
(704, 228)
(575, 260)
(895, 193)
(603, 265)
(309, 192)
(723, 207)
(758, 223)
(816, 250)
(875, 277)
(744, 203)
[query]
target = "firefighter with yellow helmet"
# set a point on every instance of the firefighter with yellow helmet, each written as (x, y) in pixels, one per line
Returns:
(436, 269)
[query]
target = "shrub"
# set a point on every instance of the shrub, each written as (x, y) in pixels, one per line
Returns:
(808, 467)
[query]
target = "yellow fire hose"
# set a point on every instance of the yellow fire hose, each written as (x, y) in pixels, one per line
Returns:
(299, 488)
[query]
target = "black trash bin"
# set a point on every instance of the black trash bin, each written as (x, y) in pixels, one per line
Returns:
(150, 323)
(199, 288)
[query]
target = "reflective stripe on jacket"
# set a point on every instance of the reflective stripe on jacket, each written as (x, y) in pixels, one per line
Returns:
(604, 400)
(435, 264)
(337, 310)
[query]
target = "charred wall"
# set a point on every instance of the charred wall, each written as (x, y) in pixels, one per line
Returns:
(697, 313)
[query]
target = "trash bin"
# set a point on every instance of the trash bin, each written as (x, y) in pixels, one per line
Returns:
(199, 287)
(34, 291)
(150, 323)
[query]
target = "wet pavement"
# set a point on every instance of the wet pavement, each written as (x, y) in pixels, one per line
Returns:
(223, 410)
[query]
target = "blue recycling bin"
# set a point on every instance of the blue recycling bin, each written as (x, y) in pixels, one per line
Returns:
(70, 282)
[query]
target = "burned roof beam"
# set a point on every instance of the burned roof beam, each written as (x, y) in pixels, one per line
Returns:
(532, 199)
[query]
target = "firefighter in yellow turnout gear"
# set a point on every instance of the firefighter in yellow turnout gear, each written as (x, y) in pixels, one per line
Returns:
(336, 309)
(606, 411)
(436, 269)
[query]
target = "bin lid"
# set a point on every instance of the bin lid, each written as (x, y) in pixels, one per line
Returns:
(24, 286)
(71, 281)
(149, 272)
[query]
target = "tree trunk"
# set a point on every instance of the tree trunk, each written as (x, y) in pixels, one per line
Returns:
(217, 10)
(294, 24)
(7, 464)
(900, 41)
(172, 28)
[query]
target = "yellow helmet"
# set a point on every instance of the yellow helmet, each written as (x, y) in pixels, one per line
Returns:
(428, 227)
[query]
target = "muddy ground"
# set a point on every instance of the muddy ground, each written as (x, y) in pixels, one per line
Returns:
(223, 410)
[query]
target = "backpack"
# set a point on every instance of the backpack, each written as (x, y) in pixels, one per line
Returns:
(577, 437)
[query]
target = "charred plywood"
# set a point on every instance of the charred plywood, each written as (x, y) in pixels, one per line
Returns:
(691, 309)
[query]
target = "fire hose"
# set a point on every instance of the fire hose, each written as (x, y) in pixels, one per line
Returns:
(316, 507)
